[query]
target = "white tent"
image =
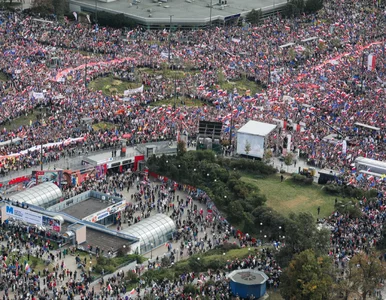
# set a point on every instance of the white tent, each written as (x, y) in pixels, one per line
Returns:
(251, 138)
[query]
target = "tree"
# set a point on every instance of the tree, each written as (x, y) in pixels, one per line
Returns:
(289, 159)
(268, 155)
(254, 16)
(42, 3)
(301, 234)
(312, 6)
(366, 273)
(181, 148)
(308, 276)
(247, 148)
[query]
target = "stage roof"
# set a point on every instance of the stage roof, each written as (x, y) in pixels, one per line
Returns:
(257, 128)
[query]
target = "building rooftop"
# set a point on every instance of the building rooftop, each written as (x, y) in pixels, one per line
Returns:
(104, 241)
(248, 277)
(184, 12)
(86, 208)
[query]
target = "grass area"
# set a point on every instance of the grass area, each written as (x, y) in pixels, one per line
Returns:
(181, 101)
(167, 73)
(241, 85)
(286, 197)
(23, 120)
(110, 86)
(103, 125)
(3, 76)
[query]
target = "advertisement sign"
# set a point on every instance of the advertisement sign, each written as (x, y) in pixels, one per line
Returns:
(54, 176)
(31, 217)
(100, 215)
(23, 215)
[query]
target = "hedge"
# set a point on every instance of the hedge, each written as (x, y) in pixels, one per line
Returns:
(300, 179)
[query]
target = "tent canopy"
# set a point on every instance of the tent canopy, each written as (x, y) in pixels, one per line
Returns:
(257, 128)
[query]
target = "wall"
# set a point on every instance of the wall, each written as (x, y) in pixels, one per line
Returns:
(80, 235)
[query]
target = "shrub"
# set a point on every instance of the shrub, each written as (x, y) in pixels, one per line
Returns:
(190, 289)
(300, 179)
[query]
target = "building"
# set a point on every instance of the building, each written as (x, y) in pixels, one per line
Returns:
(154, 14)
(248, 283)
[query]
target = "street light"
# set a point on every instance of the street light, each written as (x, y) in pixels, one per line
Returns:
(96, 11)
(151, 250)
(170, 38)
(210, 17)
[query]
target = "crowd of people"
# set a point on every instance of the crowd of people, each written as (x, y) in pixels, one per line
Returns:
(312, 89)
(317, 87)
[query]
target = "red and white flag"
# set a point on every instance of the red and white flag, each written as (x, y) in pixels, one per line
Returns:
(75, 15)
(109, 287)
(371, 62)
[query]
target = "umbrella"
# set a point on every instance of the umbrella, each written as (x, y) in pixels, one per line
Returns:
(126, 136)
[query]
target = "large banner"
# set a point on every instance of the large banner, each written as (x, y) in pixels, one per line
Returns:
(100, 215)
(133, 91)
(31, 217)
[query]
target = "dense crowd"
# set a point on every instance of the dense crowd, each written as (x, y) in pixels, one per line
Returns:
(315, 87)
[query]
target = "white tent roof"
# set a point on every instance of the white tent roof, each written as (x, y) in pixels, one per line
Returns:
(257, 128)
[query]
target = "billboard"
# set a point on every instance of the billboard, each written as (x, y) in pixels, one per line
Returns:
(31, 217)
(54, 176)
(100, 215)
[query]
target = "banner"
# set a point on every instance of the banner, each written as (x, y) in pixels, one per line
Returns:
(371, 62)
(31, 217)
(37, 96)
(344, 147)
(133, 91)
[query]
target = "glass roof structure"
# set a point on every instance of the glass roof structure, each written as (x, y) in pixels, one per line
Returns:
(39, 195)
(153, 231)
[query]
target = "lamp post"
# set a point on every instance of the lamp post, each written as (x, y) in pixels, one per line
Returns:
(175, 87)
(96, 11)
(210, 17)
(170, 38)
(363, 70)
(151, 250)
(269, 63)
(85, 75)
(41, 155)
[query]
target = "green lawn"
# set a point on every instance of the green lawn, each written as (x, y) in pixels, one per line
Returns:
(187, 102)
(241, 85)
(103, 125)
(109, 85)
(23, 120)
(3, 76)
(167, 73)
(286, 197)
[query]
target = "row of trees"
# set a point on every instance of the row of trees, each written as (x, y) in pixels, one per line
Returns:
(308, 272)
(241, 203)
(312, 276)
